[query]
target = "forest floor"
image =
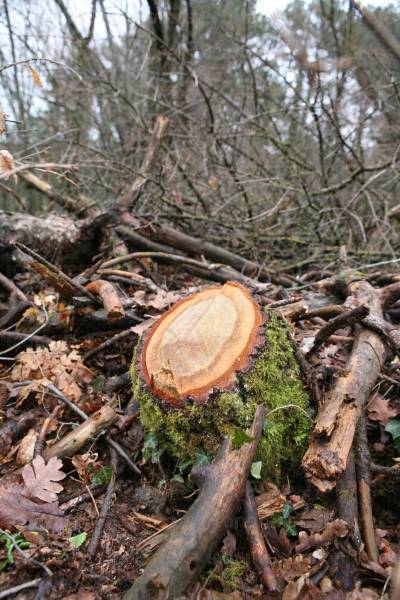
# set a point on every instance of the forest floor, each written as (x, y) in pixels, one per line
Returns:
(86, 526)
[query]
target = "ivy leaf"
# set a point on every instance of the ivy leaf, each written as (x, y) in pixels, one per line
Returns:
(201, 458)
(78, 540)
(393, 427)
(256, 469)
(287, 510)
(102, 476)
(240, 437)
(266, 426)
(151, 450)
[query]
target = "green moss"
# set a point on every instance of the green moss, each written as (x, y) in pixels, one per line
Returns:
(273, 380)
(233, 570)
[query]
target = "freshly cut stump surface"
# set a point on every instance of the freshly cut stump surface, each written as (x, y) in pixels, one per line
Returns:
(200, 344)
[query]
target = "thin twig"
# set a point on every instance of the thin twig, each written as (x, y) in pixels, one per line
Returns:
(105, 506)
(19, 588)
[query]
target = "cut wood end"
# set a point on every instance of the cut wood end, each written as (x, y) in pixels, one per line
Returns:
(200, 343)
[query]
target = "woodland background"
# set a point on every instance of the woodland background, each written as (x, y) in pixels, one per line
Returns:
(283, 134)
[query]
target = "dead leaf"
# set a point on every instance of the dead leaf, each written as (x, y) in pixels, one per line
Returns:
(387, 556)
(37, 80)
(229, 544)
(213, 183)
(302, 589)
(7, 163)
(16, 509)
(337, 528)
(40, 480)
(82, 462)
(315, 519)
(27, 448)
(293, 568)
(159, 301)
(55, 364)
(379, 409)
(2, 120)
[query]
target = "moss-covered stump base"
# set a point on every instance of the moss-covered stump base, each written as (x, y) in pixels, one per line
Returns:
(272, 378)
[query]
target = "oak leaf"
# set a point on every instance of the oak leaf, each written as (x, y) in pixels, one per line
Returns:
(40, 479)
(18, 510)
(337, 528)
(55, 364)
(379, 409)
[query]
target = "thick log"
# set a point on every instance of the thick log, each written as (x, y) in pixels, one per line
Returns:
(201, 370)
(178, 563)
(199, 344)
(337, 418)
(55, 237)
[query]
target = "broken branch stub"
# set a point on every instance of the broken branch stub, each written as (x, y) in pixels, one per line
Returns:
(198, 345)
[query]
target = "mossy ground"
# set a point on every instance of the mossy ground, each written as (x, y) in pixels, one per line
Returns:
(274, 380)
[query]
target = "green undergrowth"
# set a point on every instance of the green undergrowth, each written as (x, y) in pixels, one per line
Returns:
(273, 380)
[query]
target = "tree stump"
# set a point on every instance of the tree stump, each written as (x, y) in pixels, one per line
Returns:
(203, 368)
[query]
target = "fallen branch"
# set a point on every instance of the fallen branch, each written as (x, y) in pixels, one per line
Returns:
(345, 319)
(62, 283)
(74, 440)
(364, 489)
(258, 548)
(109, 297)
(336, 421)
(180, 560)
(94, 542)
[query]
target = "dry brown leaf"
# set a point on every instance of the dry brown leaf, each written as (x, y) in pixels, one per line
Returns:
(40, 479)
(292, 568)
(378, 409)
(228, 547)
(159, 301)
(37, 80)
(2, 120)
(81, 463)
(387, 555)
(18, 510)
(55, 364)
(7, 163)
(163, 299)
(213, 183)
(337, 528)
(27, 448)
(315, 519)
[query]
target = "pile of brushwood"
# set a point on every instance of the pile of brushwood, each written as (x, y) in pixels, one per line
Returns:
(178, 421)
(166, 436)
